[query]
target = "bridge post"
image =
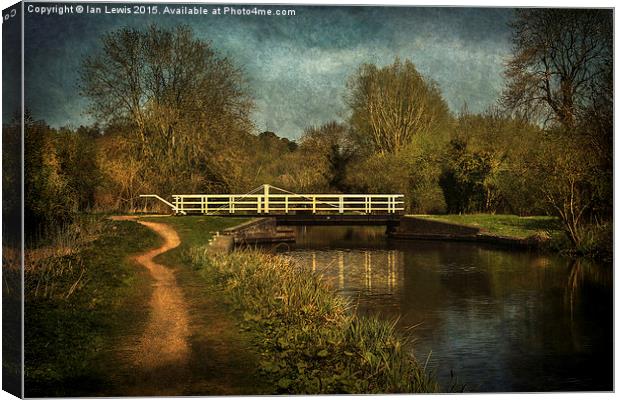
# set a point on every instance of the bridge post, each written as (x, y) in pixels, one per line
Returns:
(341, 205)
(266, 193)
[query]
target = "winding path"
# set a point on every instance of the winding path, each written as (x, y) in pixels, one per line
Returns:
(164, 341)
(162, 350)
(189, 346)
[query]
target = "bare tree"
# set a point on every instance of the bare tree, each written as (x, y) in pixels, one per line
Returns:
(559, 55)
(392, 104)
(179, 100)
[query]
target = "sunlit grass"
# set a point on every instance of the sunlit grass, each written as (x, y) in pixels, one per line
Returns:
(197, 230)
(504, 225)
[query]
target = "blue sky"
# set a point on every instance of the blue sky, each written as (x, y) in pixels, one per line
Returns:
(297, 66)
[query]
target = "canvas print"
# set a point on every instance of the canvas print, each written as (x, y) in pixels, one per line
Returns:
(227, 199)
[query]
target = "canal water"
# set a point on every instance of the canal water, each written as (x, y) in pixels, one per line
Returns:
(493, 319)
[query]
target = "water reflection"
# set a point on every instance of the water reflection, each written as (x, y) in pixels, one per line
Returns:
(501, 320)
(380, 272)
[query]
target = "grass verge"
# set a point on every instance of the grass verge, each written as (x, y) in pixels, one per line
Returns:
(309, 340)
(505, 225)
(195, 230)
(78, 300)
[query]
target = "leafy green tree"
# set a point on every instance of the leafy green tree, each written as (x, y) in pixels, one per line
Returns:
(77, 152)
(11, 182)
(391, 105)
(330, 146)
(49, 201)
(464, 178)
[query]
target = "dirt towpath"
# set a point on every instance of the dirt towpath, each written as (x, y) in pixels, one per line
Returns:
(160, 354)
(189, 345)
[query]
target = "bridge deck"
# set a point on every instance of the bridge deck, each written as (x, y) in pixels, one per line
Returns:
(335, 219)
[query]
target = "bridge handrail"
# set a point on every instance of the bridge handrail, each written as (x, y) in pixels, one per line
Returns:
(154, 196)
(263, 200)
(272, 203)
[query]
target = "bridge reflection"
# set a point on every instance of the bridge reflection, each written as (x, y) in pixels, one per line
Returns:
(376, 272)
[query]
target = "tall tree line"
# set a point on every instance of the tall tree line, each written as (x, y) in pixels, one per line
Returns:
(174, 116)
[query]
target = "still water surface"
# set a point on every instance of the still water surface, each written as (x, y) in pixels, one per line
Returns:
(499, 320)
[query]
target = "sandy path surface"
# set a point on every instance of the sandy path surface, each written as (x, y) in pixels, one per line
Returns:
(165, 338)
(189, 345)
(160, 355)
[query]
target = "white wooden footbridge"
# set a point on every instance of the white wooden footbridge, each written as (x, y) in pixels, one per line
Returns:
(268, 200)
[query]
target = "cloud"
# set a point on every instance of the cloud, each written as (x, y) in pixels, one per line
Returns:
(297, 67)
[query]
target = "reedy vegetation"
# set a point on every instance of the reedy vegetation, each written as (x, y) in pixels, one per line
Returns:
(310, 339)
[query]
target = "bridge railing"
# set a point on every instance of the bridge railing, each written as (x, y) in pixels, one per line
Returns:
(288, 203)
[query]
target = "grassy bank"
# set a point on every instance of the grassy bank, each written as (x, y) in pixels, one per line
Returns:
(81, 291)
(505, 225)
(596, 243)
(195, 230)
(309, 339)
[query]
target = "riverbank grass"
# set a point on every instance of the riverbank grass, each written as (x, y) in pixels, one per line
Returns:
(196, 230)
(505, 225)
(309, 338)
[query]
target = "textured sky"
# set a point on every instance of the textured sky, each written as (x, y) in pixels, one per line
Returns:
(297, 66)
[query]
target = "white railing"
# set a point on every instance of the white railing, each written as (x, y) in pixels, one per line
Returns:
(268, 202)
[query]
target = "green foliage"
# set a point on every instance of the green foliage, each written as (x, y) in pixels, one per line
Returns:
(465, 179)
(379, 173)
(562, 70)
(398, 125)
(315, 163)
(77, 153)
(309, 340)
(506, 225)
(11, 181)
(60, 176)
(393, 104)
(569, 179)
